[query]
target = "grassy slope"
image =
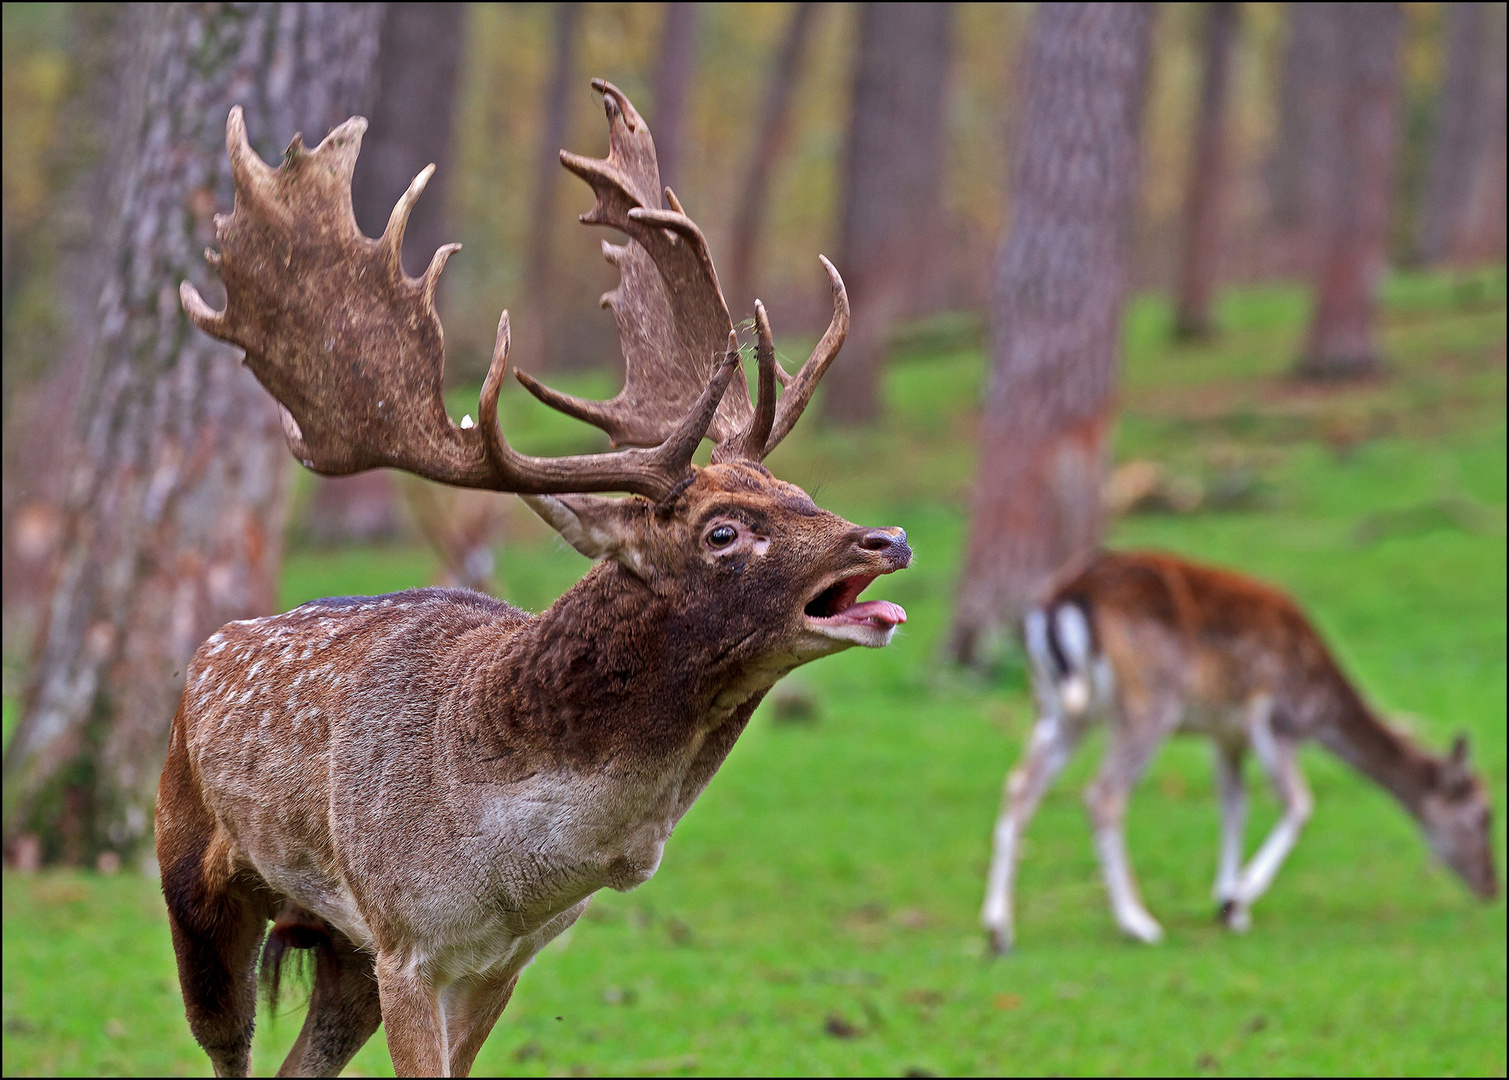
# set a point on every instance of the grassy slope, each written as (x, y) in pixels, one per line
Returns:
(829, 878)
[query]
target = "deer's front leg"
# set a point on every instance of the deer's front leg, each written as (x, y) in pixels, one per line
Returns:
(1233, 795)
(472, 1016)
(412, 1017)
(1280, 759)
(1052, 741)
(1136, 735)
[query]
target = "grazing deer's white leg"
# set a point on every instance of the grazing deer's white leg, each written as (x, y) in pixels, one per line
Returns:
(1135, 736)
(1052, 741)
(1233, 794)
(1280, 760)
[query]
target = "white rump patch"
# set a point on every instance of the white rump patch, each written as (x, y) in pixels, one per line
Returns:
(1073, 636)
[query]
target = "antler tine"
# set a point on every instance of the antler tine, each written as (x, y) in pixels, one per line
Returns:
(398, 223)
(595, 413)
(251, 174)
(799, 387)
(750, 444)
(651, 472)
(353, 351)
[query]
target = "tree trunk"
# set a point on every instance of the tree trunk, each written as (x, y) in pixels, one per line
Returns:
(775, 126)
(1061, 277)
(1296, 174)
(1302, 62)
(1207, 179)
(531, 328)
(673, 78)
(45, 369)
(1482, 235)
(418, 66)
(892, 188)
(1464, 195)
(1362, 86)
(174, 521)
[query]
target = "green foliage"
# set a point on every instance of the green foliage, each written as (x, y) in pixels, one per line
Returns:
(816, 911)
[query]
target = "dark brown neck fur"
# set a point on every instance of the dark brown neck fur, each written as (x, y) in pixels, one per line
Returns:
(611, 671)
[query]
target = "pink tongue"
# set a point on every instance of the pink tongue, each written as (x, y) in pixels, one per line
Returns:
(879, 611)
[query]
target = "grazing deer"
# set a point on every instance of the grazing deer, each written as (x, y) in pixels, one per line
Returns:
(1154, 645)
(427, 787)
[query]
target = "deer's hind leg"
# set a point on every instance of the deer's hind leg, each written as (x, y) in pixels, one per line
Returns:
(1053, 740)
(1137, 731)
(344, 1010)
(216, 918)
(472, 1015)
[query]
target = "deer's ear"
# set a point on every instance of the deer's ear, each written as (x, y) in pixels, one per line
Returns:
(599, 527)
(1456, 774)
(1459, 751)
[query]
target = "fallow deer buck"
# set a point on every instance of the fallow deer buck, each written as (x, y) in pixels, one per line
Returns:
(427, 787)
(1151, 645)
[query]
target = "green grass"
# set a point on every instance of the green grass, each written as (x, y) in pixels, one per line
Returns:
(830, 876)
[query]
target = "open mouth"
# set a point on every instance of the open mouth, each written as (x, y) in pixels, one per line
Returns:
(839, 605)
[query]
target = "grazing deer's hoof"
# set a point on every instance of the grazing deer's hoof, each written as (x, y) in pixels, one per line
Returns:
(1143, 927)
(1000, 943)
(1235, 916)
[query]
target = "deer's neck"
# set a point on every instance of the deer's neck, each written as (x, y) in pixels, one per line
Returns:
(1351, 730)
(611, 671)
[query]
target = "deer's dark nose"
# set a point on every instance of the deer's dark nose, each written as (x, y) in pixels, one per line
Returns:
(889, 542)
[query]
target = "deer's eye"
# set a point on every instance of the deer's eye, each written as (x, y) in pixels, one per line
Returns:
(722, 536)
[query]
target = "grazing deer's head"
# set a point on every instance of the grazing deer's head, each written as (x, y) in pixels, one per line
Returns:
(1458, 822)
(353, 351)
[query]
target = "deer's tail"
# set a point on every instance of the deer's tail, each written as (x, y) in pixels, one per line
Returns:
(296, 935)
(1062, 648)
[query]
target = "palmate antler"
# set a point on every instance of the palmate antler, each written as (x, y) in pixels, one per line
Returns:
(672, 319)
(353, 351)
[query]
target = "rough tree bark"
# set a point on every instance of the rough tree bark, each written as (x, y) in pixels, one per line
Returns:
(1061, 278)
(775, 126)
(1207, 179)
(1302, 61)
(892, 188)
(673, 78)
(1296, 175)
(1359, 101)
(531, 326)
(174, 519)
(44, 373)
(1463, 221)
(418, 67)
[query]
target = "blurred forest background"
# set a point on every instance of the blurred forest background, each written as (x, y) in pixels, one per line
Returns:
(1223, 277)
(953, 159)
